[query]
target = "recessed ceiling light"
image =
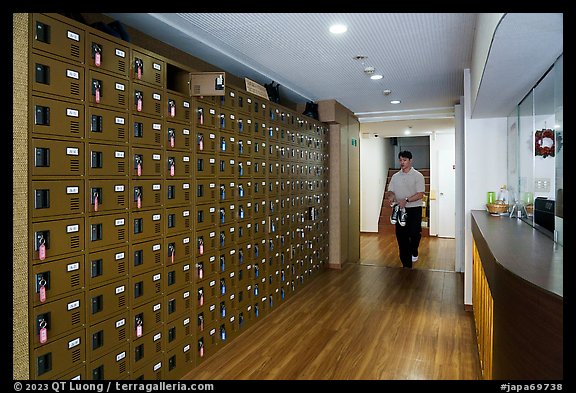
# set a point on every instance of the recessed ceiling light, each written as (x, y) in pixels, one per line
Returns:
(395, 102)
(407, 132)
(376, 76)
(338, 29)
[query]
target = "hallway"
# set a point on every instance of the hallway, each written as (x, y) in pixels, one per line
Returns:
(371, 322)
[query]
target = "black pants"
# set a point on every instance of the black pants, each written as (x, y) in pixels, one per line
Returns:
(408, 236)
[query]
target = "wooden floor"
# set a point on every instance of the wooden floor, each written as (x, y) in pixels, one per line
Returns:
(381, 249)
(360, 322)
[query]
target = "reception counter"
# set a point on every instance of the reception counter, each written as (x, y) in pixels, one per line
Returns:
(520, 304)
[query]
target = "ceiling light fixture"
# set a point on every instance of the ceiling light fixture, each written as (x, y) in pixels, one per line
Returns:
(395, 102)
(369, 70)
(338, 29)
(376, 76)
(387, 92)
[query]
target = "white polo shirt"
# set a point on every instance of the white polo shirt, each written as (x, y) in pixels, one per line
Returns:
(404, 185)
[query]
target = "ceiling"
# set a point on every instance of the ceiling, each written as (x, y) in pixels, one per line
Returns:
(421, 56)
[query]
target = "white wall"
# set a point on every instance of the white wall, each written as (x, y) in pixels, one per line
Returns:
(485, 165)
(374, 155)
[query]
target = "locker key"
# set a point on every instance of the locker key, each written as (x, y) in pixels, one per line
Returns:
(222, 263)
(222, 191)
(200, 269)
(240, 168)
(138, 97)
(171, 108)
(42, 244)
(201, 141)
(200, 297)
(97, 89)
(171, 165)
(171, 136)
(42, 284)
(201, 321)
(201, 245)
(255, 289)
(171, 251)
(138, 196)
(222, 286)
(96, 195)
(222, 309)
(97, 54)
(222, 332)
(139, 323)
(138, 162)
(42, 321)
(201, 347)
(222, 238)
(200, 118)
(138, 67)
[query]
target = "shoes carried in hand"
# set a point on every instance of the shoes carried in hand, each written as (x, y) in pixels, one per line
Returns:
(394, 216)
(402, 217)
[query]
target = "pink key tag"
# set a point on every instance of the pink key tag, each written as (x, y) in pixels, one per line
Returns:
(201, 248)
(171, 141)
(201, 144)
(139, 105)
(42, 294)
(139, 169)
(96, 203)
(202, 325)
(139, 199)
(200, 273)
(42, 252)
(97, 59)
(43, 335)
(202, 351)
(97, 96)
(139, 73)
(201, 299)
(172, 110)
(139, 331)
(172, 170)
(173, 252)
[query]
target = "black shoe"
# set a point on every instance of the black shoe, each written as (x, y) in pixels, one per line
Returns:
(402, 217)
(394, 216)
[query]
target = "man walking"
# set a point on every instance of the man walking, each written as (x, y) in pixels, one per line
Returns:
(405, 193)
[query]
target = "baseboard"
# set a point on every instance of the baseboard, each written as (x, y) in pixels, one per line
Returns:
(468, 307)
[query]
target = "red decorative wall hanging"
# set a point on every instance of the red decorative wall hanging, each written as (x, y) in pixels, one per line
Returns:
(544, 140)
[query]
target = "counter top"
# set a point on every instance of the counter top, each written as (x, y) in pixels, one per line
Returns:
(522, 250)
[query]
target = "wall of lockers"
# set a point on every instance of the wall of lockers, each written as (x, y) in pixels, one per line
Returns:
(161, 225)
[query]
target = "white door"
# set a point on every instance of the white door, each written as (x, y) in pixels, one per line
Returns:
(446, 193)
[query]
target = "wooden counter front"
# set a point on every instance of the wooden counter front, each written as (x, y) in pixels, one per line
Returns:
(524, 270)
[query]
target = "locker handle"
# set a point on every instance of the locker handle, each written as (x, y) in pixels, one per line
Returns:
(42, 74)
(42, 117)
(138, 289)
(42, 237)
(96, 268)
(42, 280)
(42, 199)
(97, 339)
(42, 157)
(97, 85)
(138, 257)
(43, 363)
(96, 124)
(138, 130)
(172, 334)
(97, 304)
(171, 306)
(98, 373)
(43, 321)
(139, 352)
(171, 192)
(42, 32)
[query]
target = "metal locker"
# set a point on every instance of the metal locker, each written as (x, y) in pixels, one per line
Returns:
(107, 300)
(178, 136)
(206, 116)
(227, 145)
(107, 266)
(178, 248)
(146, 100)
(114, 365)
(205, 268)
(179, 360)
(102, 337)
(206, 141)
(226, 166)
(244, 103)
(206, 241)
(146, 193)
(178, 192)
(260, 107)
(147, 131)
(56, 239)
(146, 256)
(55, 77)
(58, 118)
(177, 276)
(226, 191)
(146, 286)
(227, 122)
(146, 318)
(146, 224)
(206, 165)
(107, 230)
(57, 37)
(230, 99)
(107, 90)
(244, 190)
(207, 291)
(244, 169)
(206, 191)
(178, 303)
(54, 280)
(147, 68)
(206, 216)
(151, 371)
(178, 219)
(106, 160)
(177, 330)
(146, 347)
(56, 199)
(258, 149)
(178, 107)
(107, 125)
(242, 125)
(206, 344)
(55, 319)
(244, 148)
(108, 55)
(59, 356)
(178, 164)
(145, 162)
(106, 196)
(52, 158)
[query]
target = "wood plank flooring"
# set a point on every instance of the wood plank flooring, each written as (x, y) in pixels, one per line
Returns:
(381, 249)
(358, 323)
